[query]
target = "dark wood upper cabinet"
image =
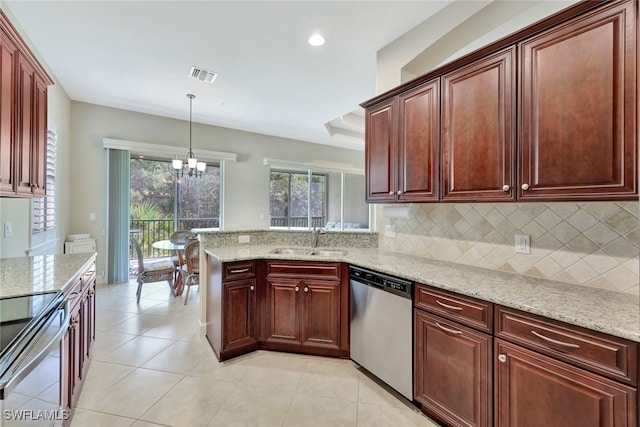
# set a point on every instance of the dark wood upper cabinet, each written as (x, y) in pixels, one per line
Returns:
(548, 113)
(8, 57)
(578, 108)
(419, 144)
(478, 130)
(403, 147)
(381, 151)
(23, 117)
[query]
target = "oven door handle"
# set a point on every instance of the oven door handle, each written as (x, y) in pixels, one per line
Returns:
(7, 384)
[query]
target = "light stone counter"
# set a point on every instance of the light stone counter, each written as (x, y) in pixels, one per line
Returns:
(41, 273)
(600, 310)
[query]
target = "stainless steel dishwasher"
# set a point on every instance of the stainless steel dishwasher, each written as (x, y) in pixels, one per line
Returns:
(381, 327)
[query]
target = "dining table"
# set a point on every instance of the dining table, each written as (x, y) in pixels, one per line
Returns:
(168, 245)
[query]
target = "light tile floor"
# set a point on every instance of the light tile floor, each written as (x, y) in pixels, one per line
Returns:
(151, 367)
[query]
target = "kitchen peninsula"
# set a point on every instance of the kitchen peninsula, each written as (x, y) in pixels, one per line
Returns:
(508, 336)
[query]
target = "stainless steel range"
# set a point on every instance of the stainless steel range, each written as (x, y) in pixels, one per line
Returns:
(31, 332)
(381, 327)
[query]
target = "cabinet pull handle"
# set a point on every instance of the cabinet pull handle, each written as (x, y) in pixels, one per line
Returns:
(297, 288)
(1, 178)
(73, 295)
(447, 306)
(502, 358)
(525, 186)
(451, 331)
(252, 287)
(506, 188)
(242, 270)
(306, 289)
(556, 342)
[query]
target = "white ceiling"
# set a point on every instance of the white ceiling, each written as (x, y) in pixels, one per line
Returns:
(136, 55)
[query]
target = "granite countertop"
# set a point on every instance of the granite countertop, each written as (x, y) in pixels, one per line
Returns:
(41, 273)
(609, 312)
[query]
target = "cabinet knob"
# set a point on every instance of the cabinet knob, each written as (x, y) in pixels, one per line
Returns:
(391, 193)
(252, 287)
(525, 186)
(306, 289)
(502, 358)
(506, 188)
(1, 178)
(399, 192)
(297, 288)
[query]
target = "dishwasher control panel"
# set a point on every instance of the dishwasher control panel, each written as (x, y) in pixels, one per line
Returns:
(382, 281)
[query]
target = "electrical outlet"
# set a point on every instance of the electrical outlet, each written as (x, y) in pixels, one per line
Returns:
(244, 239)
(523, 244)
(390, 231)
(92, 216)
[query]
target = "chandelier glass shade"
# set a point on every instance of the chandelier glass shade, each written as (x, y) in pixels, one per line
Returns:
(190, 165)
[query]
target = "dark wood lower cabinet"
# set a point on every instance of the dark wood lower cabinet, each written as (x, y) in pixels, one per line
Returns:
(292, 306)
(77, 344)
(452, 371)
(240, 316)
(533, 390)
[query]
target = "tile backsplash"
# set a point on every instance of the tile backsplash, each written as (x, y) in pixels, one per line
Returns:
(592, 244)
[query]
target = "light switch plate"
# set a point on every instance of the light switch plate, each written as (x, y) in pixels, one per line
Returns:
(8, 229)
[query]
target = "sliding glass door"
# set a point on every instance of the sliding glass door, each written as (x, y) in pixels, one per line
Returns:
(162, 202)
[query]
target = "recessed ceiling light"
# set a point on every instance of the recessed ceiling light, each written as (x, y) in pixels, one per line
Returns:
(316, 40)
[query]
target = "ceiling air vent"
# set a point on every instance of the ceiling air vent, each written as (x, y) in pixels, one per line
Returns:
(203, 75)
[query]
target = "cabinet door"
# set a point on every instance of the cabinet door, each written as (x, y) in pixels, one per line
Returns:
(578, 109)
(24, 133)
(240, 327)
(478, 130)
(380, 150)
(282, 310)
(76, 358)
(39, 138)
(419, 147)
(535, 390)
(452, 371)
(321, 314)
(8, 57)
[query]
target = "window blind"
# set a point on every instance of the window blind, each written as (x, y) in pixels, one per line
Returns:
(44, 208)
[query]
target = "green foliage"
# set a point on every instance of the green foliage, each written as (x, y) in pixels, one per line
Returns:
(145, 209)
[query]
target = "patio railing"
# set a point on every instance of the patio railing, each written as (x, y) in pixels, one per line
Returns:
(147, 231)
(297, 221)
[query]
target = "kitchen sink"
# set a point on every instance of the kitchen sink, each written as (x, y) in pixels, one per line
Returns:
(309, 252)
(292, 251)
(329, 252)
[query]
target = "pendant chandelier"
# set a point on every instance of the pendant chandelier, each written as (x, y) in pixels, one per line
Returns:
(191, 166)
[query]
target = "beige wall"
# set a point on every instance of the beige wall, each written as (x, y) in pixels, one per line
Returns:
(246, 192)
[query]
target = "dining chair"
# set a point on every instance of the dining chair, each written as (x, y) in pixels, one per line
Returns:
(151, 272)
(190, 270)
(180, 237)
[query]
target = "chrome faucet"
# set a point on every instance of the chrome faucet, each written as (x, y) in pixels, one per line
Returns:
(315, 232)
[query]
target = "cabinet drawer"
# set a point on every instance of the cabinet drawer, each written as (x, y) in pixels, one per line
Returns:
(327, 270)
(73, 292)
(468, 311)
(610, 356)
(239, 270)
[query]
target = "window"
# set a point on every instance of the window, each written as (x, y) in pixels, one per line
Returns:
(296, 202)
(162, 203)
(44, 208)
(310, 199)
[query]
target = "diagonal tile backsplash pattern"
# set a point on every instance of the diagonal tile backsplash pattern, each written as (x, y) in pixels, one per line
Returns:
(592, 244)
